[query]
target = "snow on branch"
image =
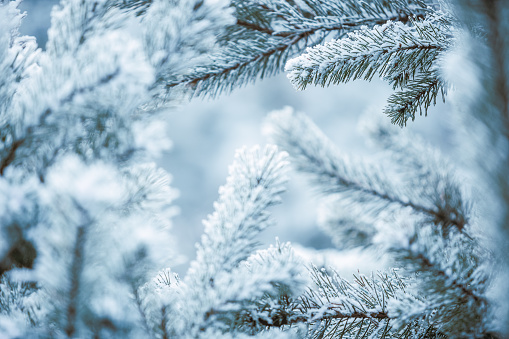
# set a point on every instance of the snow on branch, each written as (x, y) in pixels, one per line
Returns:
(390, 49)
(333, 306)
(240, 63)
(268, 33)
(428, 176)
(77, 128)
(314, 16)
(446, 266)
(312, 153)
(271, 278)
(227, 283)
(137, 6)
(418, 94)
(255, 182)
(176, 37)
(450, 272)
(337, 307)
(18, 54)
(404, 55)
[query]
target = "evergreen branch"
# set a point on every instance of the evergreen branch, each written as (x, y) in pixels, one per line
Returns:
(235, 304)
(288, 15)
(326, 313)
(427, 175)
(336, 307)
(450, 275)
(255, 27)
(30, 130)
(256, 181)
(360, 66)
(419, 93)
(343, 25)
(454, 283)
(387, 50)
(426, 250)
(314, 154)
(403, 55)
(257, 47)
(223, 75)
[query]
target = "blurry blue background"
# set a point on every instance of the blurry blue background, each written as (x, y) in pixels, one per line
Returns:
(206, 133)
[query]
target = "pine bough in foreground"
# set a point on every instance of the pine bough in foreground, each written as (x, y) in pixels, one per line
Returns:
(269, 32)
(400, 41)
(423, 222)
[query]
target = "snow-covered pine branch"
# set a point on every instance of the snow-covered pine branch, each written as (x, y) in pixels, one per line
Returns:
(427, 174)
(267, 33)
(255, 183)
(83, 209)
(333, 306)
(416, 95)
(405, 55)
(362, 184)
(229, 285)
(422, 219)
(451, 275)
(337, 307)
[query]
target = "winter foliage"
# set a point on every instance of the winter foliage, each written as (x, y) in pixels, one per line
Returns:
(418, 221)
(86, 249)
(268, 32)
(405, 55)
